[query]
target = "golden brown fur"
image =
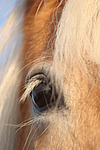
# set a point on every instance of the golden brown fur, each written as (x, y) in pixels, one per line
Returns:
(61, 37)
(77, 125)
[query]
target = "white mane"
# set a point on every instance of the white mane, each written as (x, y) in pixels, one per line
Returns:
(10, 75)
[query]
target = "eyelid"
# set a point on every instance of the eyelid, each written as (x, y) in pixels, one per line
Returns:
(32, 83)
(41, 69)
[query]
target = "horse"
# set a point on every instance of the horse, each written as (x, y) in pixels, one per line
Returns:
(50, 83)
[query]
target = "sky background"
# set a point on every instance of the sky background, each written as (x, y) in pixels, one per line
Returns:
(12, 47)
(6, 7)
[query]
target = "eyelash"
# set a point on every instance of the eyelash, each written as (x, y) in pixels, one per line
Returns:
(43, 93)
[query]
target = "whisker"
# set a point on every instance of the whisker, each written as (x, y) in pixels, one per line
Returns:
(26, 141)
(38, 136)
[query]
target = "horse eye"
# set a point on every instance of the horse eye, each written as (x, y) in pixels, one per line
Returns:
(42, 97)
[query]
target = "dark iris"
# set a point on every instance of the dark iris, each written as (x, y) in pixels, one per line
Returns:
(42, 97)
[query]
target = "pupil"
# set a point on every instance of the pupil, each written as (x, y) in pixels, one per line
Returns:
(42, 97)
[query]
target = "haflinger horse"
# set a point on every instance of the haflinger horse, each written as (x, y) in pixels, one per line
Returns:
(50, 85)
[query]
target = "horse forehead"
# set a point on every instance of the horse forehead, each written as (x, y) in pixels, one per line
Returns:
(40, 31)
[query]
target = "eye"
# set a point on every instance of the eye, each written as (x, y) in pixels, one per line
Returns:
(42, 95)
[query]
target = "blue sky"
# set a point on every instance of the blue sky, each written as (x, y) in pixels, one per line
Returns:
(5, 8)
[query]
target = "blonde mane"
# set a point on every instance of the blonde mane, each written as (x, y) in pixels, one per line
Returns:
(10, 75)
(77, 41)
